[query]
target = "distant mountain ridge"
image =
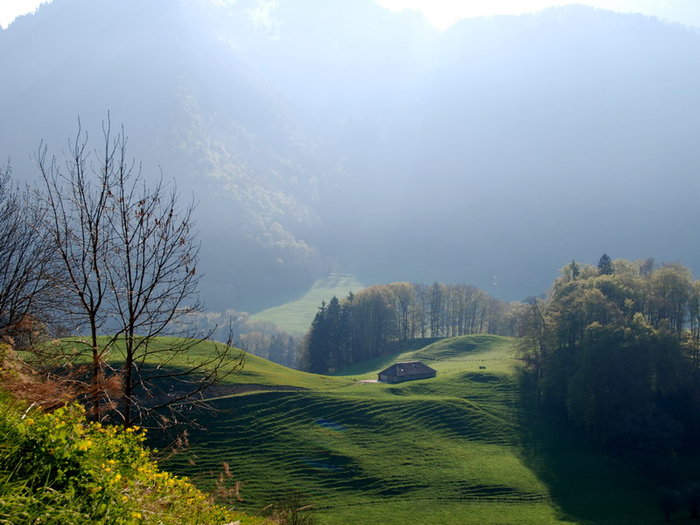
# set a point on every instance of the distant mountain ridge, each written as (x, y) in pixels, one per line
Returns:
(328, 134)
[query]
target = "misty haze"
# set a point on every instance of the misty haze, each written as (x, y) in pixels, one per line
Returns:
(336, 136)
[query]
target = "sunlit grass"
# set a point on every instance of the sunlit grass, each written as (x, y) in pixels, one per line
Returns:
(457, 448)
(295, 316)
(255, 370)
(446, 450)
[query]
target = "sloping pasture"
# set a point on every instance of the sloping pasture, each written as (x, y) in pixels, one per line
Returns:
(455, 449)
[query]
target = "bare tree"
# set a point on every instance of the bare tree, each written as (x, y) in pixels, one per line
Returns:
(130, 253)
(152, 274)
(27, 278)
(73, 208)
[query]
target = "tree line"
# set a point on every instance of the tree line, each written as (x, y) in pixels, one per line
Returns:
(616, 347)
(97, 249)
(363, 325)
(261, 338)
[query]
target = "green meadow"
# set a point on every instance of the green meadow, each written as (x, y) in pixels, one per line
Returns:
(295, 316)
(461, 448)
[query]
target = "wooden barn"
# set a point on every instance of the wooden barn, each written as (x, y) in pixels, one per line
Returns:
(407, 371)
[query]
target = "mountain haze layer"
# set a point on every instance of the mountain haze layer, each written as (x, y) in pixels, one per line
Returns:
(329, 135)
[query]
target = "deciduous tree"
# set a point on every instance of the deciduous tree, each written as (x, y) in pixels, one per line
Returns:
(130, 254)
(28, 274)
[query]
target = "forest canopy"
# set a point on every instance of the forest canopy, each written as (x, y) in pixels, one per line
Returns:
(363, 325)
(617, 349)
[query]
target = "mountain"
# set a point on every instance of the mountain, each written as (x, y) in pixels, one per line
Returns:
(330, 135)
(190, 107)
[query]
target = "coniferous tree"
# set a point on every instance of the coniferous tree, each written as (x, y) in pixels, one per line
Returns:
(315, 343)
(605, 265)
(575, 270)
(364, 325)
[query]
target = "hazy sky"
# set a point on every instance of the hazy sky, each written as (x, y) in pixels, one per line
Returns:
(9, 9)
(443, 13)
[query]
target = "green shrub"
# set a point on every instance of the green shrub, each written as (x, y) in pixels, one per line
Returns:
(58, 468)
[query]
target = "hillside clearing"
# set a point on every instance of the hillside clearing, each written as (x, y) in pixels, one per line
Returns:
(295, 316)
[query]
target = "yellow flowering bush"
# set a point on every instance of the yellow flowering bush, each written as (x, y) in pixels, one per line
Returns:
(59, 468)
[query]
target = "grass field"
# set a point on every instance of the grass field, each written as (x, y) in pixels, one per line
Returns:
(295, 316)
(457, 449)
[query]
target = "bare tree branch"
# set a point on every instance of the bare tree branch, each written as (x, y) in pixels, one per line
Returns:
(130, 255)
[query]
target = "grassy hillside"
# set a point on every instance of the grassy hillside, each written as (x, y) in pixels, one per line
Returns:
(256, 370)
(444, 355)
(296, 316)
(456, 449)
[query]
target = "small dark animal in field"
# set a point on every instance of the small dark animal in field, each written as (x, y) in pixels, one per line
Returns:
(482, 368)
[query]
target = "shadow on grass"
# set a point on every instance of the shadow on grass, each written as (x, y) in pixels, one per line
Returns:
(585, 484)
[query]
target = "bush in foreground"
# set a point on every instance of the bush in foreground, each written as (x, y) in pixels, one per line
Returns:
(59, 468)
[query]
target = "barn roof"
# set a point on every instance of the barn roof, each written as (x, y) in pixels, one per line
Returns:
(408, 368)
